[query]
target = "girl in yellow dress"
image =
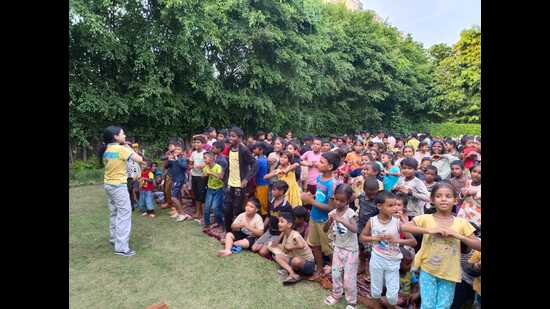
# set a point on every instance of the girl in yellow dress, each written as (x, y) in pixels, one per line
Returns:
(285, 172)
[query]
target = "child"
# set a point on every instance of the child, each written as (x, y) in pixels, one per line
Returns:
(450, 148)
(367, 209)
(401, 204)
(423, 151)
(458, 179)
(383, 231)
(300, 221)
(147, 184)
(198, 181)
(476, 261)
(245, 229)
(412, 186)
(391, 174)
(373, 170)
(408, 152)
(214, 192)
(294, 159)
(292, 252)
(469, 153)
(354, 158)
(430, 176)
(343, 221)
(473, 187)
(409, 292)
(177, 165)
(262, 185)
(326, 146)
(285, 172)
(442, 160)
(317, 238)
(310, 160)
(439, 256)
(273, 157)
(277, 205)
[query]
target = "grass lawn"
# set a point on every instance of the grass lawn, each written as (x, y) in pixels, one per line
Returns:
(175, 263)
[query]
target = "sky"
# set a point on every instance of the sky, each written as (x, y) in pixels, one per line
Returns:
(429, 21)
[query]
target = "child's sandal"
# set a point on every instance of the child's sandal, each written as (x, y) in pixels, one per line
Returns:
(351, 307)
(330, 300)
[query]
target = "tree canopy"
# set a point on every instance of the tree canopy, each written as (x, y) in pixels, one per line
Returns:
(173, 67)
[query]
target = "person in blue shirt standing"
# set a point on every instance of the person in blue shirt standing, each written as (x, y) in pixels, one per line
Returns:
(177, 165)
(262, 185)
(322, 204)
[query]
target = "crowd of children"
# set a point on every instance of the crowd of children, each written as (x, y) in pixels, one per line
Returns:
(400, 214)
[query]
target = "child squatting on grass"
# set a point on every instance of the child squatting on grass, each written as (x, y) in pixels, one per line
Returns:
(245, 229)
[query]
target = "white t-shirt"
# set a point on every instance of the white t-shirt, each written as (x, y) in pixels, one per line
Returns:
(198, 159)
(256, 223)
(344, 238)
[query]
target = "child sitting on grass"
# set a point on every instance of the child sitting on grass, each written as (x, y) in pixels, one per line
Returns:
(292, 252)
(245, 229)
(277, 205)
(343, 222)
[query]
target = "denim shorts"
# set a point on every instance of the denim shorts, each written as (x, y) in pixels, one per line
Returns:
(176, 189)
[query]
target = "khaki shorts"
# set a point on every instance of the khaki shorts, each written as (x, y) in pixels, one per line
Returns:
(317, 237)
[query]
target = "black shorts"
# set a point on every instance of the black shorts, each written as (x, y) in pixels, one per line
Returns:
(240, 235)
(307, 270)
(198, 185)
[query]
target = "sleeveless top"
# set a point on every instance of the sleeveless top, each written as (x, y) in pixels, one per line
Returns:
(385, 249)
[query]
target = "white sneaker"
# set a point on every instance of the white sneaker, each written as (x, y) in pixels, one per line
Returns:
(175, 215)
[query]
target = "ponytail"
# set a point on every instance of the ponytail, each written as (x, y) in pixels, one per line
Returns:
(108, 137)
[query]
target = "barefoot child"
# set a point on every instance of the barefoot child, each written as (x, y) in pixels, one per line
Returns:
(439, 256)
(198, 181)
(277, 205)
(383, 231)
(317, 238)
(345, 259)
(292, 252)
(177, 165)
(245, 229)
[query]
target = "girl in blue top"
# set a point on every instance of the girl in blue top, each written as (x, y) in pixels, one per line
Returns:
(391, 172)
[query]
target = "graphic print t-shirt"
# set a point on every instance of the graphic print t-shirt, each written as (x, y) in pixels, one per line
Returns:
(325, 191)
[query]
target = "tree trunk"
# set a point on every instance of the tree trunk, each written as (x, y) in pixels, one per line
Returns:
(84, 153)
(70, 154)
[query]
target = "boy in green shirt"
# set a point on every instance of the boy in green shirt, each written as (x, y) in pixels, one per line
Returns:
(214, 192)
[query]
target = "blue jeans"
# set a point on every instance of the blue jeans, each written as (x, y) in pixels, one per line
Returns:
(214, 199)
(146, 201)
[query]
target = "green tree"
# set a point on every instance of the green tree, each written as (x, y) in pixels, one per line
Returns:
(456, 90)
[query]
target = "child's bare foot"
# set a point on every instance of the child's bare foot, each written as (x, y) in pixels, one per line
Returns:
(316, 277)
(224, 253)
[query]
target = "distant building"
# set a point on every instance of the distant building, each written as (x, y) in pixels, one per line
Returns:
(353, 5)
